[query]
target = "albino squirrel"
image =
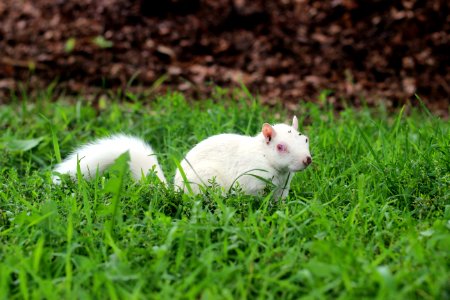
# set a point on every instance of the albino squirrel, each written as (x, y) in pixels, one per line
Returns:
(227, 159)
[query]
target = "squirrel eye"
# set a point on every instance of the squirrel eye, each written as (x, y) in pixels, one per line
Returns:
(306, 140)
(281, 147)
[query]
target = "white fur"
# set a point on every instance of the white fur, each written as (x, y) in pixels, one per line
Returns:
(100, 154)
(227, 158)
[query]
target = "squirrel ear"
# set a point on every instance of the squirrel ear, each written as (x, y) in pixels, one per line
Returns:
(268, 132)
(295, 123)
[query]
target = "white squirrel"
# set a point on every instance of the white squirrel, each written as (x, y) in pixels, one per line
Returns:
(227, 159)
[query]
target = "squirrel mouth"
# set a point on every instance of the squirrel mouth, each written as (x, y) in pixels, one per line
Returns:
(299, 168)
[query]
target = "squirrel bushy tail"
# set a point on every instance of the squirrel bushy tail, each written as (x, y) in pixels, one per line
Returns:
(100, 154)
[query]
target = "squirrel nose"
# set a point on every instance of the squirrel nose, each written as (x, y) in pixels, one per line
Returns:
(307, 161)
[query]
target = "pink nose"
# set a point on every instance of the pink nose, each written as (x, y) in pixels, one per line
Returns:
(307, 161)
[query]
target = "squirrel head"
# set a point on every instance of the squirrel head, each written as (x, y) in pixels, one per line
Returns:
(287, 148)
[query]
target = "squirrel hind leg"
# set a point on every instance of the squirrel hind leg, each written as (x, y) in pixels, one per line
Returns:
(56, 179)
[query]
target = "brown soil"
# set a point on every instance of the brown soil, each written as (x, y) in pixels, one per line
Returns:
(379, 50)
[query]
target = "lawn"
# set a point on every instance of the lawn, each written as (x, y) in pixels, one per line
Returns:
(370, 218)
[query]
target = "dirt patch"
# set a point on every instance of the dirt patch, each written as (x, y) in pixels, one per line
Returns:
(282, 50)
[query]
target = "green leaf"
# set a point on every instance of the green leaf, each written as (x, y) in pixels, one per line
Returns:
(21, 145)
(118, 171)
(102, 42)
(70, 45)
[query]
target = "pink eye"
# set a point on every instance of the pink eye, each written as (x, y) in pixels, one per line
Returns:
(281, 147)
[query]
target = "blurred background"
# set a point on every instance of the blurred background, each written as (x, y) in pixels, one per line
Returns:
(282, 50)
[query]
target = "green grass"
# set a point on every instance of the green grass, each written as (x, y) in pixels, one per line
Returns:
(369, 219)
